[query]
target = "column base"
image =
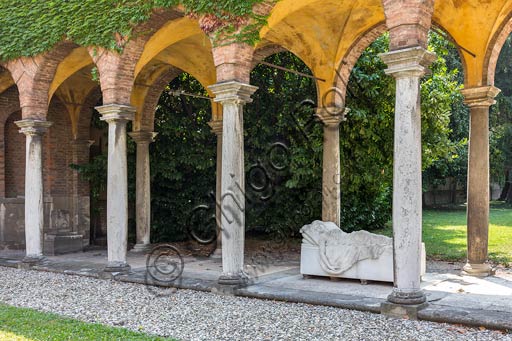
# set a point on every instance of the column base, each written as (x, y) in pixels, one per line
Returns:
(407, 297)
(404, 311)
(478, 270)
(141, 248)
(121, 267)
(30, 261)
(238, 280)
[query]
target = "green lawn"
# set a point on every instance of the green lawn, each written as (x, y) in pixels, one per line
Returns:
(20, 324)
(444, 234)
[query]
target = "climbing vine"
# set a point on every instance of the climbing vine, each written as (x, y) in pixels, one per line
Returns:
(31, 27)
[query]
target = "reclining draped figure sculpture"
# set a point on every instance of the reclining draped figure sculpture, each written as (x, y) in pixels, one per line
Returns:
(328, 251)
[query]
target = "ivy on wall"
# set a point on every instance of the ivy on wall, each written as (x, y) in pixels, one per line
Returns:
(31, 27)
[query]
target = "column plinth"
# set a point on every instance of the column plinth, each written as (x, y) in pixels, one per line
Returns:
(407, 66)
(34, 215)
(478, 100)
(216, 127)
(331, 118)
(117, 116)
(143, 190)
(233, 96)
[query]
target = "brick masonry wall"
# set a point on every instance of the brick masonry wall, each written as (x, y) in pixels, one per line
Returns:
(14, 158)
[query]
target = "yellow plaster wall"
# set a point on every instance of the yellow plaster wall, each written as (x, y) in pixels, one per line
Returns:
(75, 61)
(169, 34)
(321, 32)
(472, 23)
(6, 81)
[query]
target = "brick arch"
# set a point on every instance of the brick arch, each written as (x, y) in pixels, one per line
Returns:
(450, 37)
(493, 50)
(117, 71)
(6, 80)
(271, 49)
(147, 121)
(264, 52)
(350, 59)
(33, 76)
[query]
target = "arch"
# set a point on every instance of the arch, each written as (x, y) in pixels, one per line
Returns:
(147, 91)
(462, 56)
(33, 76)
(78, 59)
(73, 92)
(494, 48)
(475, 25)
(6, 80)
(352, 55)
(169, 34)
(265, 51)
(320, 32)
(269, 50)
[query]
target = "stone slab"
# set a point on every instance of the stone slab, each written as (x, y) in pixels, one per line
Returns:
(452, 298)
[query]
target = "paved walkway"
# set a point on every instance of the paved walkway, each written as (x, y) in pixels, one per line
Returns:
(452, 298)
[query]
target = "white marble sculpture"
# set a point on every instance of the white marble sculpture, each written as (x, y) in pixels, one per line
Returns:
(328, 251)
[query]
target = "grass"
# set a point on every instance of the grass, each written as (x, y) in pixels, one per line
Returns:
(22, 324)
(444, 234)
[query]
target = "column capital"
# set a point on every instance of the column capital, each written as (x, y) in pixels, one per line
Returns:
(116, 112)
(482, 96)
(141, 136)
(332, 116)
(410, 62)
(216, 126)
(233, 92)
(33, 127)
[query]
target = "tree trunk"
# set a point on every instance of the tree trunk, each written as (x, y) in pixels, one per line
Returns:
(506, 193)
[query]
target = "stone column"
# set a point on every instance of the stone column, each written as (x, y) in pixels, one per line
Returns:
(34, 218)
(216, 127)
(331, 200)
(117, 185)
(233, 95)
(407, 66)
(479, 100)
(143, 189)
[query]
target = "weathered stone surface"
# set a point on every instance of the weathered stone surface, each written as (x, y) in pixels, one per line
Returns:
(407, 66)
(117, 185)
(233, 95)
(409, 311)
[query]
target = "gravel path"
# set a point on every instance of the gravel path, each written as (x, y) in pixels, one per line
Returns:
(192, 315)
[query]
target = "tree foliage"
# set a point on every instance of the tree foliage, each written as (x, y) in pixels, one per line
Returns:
(283, 146)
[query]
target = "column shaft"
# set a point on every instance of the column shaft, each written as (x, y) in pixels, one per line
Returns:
(117, 185)
(143, 190)
(331, 168)
(34, 218)
(407, 66)
(478, 99)
(233, 95)
(216, 127)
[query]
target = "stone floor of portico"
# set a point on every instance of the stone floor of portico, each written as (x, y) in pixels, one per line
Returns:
(452, 297)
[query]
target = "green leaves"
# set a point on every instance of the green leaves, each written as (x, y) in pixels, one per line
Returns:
(28, 28)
